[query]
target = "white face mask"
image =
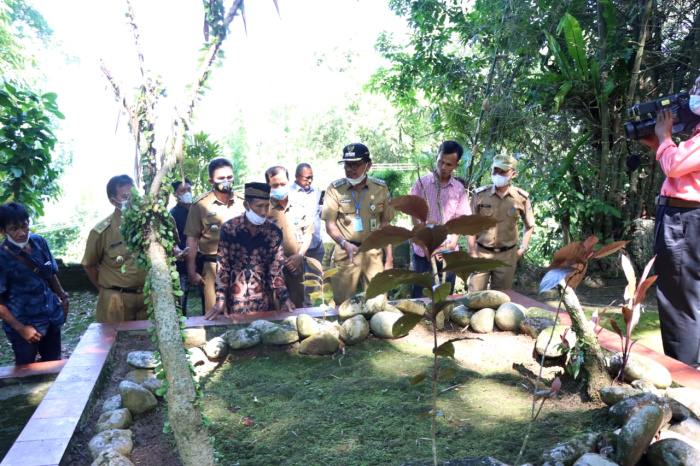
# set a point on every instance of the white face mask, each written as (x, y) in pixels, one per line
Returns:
(695, 104)
(19, 245)
(254, 218)
(356, 181)
(186, 198)
(500, 180)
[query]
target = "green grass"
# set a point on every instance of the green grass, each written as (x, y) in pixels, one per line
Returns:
(359, 409)
(647, 330)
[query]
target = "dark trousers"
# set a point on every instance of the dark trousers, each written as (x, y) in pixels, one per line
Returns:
(49, 347)
(421, 264)
(677, 249)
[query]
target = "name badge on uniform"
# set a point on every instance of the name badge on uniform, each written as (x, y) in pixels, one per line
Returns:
(300, 236)
(373, 224)
(357, 224)
(115, 244)
(210, 214)
(345, 201)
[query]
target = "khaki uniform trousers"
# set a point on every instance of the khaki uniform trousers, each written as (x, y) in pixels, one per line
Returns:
(501, 278)
(209, 276)
(117, 306)
(344, 283)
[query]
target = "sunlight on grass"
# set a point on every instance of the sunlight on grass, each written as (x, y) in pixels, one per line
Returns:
(647, 329)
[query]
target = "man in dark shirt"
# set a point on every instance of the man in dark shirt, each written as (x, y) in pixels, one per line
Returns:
(33, 304)
(250, 259)
(183, 193)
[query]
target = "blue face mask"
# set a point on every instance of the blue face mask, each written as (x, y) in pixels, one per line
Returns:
(280, 193)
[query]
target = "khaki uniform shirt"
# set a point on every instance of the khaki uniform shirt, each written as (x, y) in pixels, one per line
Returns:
(295, 221)
(106, 250)
(515, 203)
(207, 214)
(374, 208)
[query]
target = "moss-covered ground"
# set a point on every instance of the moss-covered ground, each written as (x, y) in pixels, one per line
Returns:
(358, 409)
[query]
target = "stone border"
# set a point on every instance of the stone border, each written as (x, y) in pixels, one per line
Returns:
(47, 435)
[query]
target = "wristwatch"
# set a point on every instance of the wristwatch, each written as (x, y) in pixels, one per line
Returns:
(342, 244)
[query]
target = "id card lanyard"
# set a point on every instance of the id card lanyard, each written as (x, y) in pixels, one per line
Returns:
(358, 220)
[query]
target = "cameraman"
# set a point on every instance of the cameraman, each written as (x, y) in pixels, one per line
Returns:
(677, 236)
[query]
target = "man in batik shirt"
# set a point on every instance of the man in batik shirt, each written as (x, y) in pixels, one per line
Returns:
(250, 260)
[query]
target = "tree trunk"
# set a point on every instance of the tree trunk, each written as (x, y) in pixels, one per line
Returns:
(593, 358)
(194, 443)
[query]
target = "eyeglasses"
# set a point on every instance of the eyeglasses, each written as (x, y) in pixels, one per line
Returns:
(353, 165)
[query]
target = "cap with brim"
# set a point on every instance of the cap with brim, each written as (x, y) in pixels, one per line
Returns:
(504, 162)
(355, 153)
(257, 190)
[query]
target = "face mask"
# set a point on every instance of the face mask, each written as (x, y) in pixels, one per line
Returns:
(186, 198)
(123, 204)
(280, 193)
(695, 104)
(500, 180)
(19, 245)
(254, 218)
(223, 187)
(356, 181)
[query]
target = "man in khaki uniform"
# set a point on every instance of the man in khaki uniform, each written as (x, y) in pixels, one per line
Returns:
(506, 203)
(354, 207)
(207, 213)
(292, 217)
(121, 294)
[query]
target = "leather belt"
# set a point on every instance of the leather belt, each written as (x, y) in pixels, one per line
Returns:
(208, 258)
(127, 290)
(503, 249)
(675, 202)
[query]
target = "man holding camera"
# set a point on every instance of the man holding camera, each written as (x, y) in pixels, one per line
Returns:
(677, 235)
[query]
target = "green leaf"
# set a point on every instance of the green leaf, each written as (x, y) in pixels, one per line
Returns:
(385, 236)
(330, 273)
(446, 373)
(442, 292)
(440, 306)
(390, 279)
(446, 350)
(575, 44)
(461, 263)
(405, 324)
(561, 94)
(418, 379)
(470, 224)
(311, 283)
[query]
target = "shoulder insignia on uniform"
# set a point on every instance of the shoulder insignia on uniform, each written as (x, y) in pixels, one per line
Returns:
(481, 189)
(340, 182)
(379, 181)
(523, 193)
(103, 225)
(200, 197)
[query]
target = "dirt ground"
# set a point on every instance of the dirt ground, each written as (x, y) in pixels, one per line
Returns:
(497, 355)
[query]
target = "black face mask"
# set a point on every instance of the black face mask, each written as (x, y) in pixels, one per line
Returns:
(223, 187)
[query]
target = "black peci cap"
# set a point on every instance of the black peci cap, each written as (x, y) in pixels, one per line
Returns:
(355, 152)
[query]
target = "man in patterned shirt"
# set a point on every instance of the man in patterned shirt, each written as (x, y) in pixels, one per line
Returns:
(447, 200)
(250, 259)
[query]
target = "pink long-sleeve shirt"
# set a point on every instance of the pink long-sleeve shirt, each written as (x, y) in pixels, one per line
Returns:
(681, 164)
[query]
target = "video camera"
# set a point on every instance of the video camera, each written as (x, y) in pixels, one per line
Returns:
(683, 118)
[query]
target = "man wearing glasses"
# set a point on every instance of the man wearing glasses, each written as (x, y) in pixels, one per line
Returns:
(312, 200)
(354, 207)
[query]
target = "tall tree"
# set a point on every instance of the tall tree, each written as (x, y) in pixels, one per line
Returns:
(553, 81)
(146, 223)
